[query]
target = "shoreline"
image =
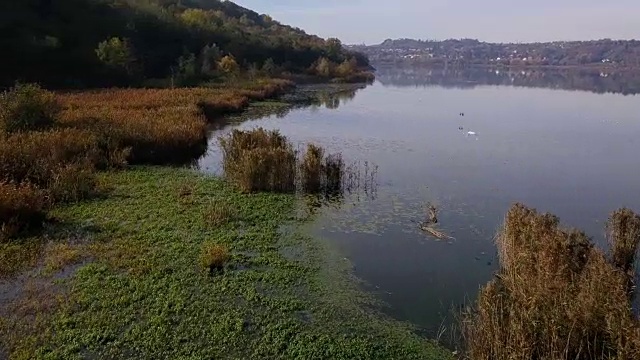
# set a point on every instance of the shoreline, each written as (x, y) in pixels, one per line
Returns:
(516, 67)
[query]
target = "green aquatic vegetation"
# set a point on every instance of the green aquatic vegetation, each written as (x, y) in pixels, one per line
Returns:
(131, 285)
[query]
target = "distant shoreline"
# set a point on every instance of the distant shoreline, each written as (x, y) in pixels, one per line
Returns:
(510, 67)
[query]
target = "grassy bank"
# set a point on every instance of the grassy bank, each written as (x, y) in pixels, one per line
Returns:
(122, 277)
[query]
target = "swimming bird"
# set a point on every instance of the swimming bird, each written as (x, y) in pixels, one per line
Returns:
(471, 133)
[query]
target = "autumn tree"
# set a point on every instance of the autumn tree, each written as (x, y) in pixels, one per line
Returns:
(348, 67)
(196, 18)
(229, 65)
(324, 67)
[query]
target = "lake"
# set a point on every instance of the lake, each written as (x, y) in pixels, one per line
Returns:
(562, 142)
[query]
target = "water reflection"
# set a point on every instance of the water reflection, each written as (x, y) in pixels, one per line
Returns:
(314, 97)
(598, 81)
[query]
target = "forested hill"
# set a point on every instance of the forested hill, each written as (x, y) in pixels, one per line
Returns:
(102, 42)
(605, 52)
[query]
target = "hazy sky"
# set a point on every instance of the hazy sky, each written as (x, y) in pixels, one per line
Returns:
(372, 21)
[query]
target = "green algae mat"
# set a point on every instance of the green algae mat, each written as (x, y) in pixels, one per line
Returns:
(121, 277)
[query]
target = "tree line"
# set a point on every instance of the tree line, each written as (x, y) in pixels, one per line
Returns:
(605, 52)
(82, 43)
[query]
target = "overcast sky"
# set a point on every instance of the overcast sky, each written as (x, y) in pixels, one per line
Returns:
(372, 21)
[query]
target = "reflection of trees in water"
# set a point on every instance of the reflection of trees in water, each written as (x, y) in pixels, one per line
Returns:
(328, 96)
(309, 96)
(598, 81)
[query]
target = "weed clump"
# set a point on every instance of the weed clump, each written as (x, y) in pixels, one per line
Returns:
(556, 296)
(214, 257)
(27, 107)
(259, 160)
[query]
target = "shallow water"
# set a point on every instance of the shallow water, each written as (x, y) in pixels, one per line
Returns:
(540, 142)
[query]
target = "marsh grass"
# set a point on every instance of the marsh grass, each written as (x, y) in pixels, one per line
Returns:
(312, 169)
(556, 296)
(73, 182)
(54, 143)
(22, 207)
(259, 160)
(334, 174)
(214, 257)
(59, 256)
(623, 230)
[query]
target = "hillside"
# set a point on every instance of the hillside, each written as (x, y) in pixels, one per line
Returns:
(58, 42)
(618, 53)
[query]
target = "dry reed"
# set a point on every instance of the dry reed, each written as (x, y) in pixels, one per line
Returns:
(214, 257)
(259, 160)
(556, 295)
(21, 207)
(312, 168)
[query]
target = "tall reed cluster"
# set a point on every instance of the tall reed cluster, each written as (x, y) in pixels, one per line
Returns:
(261, 160)
(557, 296)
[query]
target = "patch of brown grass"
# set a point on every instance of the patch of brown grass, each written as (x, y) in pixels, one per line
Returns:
(123, 255)
(36, 156)
(214, 257)
(556, 295)
(15, 257)
(59, 256)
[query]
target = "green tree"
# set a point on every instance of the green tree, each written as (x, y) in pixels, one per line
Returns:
(187, 68)
(116, 53)
(229, 65)
(253, 71)
(27, 107)
(209, 57)
(269, 67)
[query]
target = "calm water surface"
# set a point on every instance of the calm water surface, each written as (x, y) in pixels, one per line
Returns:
(572, 153)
